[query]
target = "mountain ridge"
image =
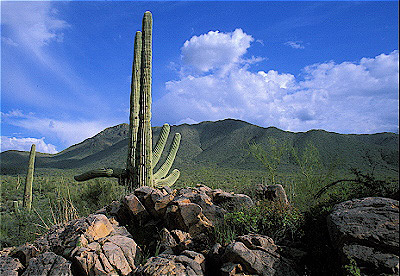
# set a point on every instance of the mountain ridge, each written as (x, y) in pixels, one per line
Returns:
(222, 143)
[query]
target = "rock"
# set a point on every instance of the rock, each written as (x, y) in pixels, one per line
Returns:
(167, 264)
(230, 201)
(274, 193)
(183, 240)
(10, 266)
(161, 204)
(187, 217)
(367, 230)
(161, 265)
(143, 192)
(115, 256)
(167, 241)
(128, 247)
(212, 211)
(48, 264)
(99, 227)
(258, 255)
(136, 209)
(231, 269)
(25, 252)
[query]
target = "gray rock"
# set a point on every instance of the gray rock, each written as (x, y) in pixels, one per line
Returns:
(48, 264)
(367, 230)
(258, 255)
(189, 263)
(274, 193)
(231, 201)
(10, 266)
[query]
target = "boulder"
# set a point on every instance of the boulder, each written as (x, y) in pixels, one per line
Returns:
(188, 263)
(257, 254)
(275, 193)
(112, 255)
(134, 207)
(48, 264)
(367, 230)
(99, 227)
(231, 201)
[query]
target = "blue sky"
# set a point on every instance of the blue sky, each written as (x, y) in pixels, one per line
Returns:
(66, 66)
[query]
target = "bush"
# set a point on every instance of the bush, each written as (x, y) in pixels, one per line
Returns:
(276, 220)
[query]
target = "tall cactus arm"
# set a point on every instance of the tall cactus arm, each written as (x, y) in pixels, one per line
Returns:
(134, 101)
(109, 172)
(27, 200)
(163, 171)
(145, 148)
(168, 181)
(162, 140)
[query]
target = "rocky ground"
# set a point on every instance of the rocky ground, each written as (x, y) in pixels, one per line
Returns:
(172, 232)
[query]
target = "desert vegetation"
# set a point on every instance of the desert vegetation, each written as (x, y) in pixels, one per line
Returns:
(229, 155)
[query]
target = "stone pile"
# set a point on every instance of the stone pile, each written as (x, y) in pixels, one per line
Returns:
(155, 232)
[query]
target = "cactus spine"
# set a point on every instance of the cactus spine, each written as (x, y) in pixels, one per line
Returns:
(27, 201)
(141, 158)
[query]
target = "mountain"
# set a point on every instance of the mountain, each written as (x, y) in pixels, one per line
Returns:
(221, 145)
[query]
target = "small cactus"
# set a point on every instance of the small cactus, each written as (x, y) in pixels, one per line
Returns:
(27, 201)
(141, 157)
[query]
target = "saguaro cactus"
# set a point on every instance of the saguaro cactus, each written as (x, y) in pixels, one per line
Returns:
(141, 159)
(27, 201)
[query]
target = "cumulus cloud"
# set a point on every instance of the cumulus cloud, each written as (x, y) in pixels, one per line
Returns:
(215, 50)
(24, 144)
(350, 97)
(69, 132)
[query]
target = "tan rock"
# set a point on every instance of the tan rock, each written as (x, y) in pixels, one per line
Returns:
(99, 227)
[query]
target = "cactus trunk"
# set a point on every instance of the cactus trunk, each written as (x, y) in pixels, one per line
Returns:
(145, 172)
(134, 111)
(27, 202)
(141, 157)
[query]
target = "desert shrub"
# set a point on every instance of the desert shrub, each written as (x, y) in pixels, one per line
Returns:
(275, 220)
(99, 193)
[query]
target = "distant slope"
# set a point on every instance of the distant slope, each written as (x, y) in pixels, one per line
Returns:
(221, 144)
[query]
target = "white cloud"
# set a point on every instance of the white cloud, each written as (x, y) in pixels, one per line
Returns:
(67, 131)
(295, 44)
(188, 120)
(24, 144)
(350, 97)
(34, 24)
(215, 50)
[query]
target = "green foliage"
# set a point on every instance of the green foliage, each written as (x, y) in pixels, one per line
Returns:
(272, 157)
(55, 201)
(275, 220)
(98, 193)
(351, 269)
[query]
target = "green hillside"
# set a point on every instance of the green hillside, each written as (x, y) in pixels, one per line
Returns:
(221, 148)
